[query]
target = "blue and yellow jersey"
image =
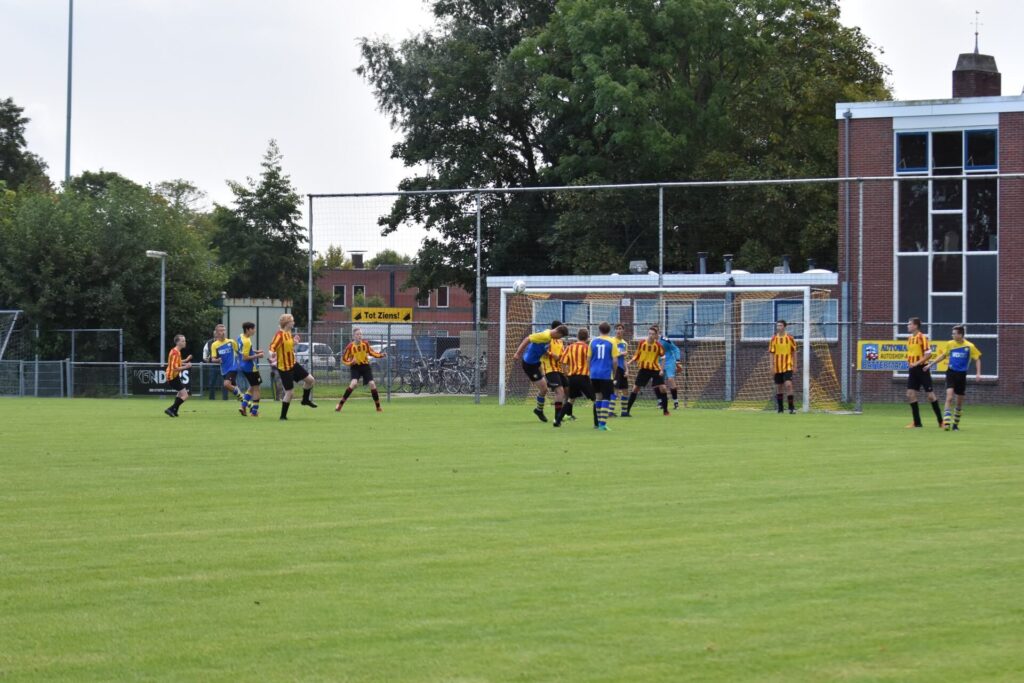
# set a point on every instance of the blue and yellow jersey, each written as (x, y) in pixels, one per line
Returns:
(537, 347)
(961, 354)
(227, 351)
(552, 360)
(604, 354)
(623, 347)
(245, 349)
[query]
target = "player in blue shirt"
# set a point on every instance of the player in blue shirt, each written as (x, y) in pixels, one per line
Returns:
(960, 353)
(672, 355)
(604, 356)
(530, 351)
(248, 357)
(224, 352)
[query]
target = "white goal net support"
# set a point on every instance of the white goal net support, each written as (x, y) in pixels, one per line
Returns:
(722, 334)
(8, 321)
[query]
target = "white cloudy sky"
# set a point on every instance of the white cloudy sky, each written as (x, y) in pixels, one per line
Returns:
(194, 88)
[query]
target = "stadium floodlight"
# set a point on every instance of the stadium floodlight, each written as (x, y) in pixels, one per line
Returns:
(162, 255)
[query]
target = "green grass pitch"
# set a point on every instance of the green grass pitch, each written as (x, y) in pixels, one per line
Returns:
(442, 541)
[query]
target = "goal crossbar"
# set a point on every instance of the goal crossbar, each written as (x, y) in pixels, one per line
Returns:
(803, 290)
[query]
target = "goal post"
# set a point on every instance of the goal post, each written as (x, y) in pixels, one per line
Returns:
(722, 333)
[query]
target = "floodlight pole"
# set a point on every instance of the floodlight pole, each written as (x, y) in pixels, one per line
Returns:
(67, 140)
(476, 322)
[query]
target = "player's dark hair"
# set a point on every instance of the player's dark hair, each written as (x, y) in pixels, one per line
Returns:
(248, 326)
(555, 324)
(780, 321)
(655, 328)
(583, 334)
(618, 325)
(178, 338)
(604, 328)
(562, 330)
(916, 321)
(959, 328)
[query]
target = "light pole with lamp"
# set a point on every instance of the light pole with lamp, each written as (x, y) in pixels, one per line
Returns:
(162, 255)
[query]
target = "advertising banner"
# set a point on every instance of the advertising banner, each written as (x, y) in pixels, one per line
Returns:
(888, 354)
(152, 381)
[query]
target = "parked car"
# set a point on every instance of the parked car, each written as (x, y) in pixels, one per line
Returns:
(323, 356)
(450, 357)
(382, 347)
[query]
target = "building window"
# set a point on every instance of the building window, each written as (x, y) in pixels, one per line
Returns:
(358, 295)
(911, 152)
(442, 297)
(946, 233)
(425, 303)
(759, 316)
(702, 319)
(339, 296)
(573, 313)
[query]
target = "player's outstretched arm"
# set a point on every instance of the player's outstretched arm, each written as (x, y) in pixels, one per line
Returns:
(522, 347)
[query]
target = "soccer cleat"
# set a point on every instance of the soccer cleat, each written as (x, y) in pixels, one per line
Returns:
(309, 403)
(947, 426)
(792, 411)
(780, 411)
(675, 405)
(625, 414)
(603, 428)
(170, 413)
(337, 408)
(956, 428)
(241, 410)
(913, 426)
(254, 414)
(666, 413)
(540, 414)
(282, 418)
(379, 409)
(557, 424)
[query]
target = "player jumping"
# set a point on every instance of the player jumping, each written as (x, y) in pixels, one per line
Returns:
(530, 350)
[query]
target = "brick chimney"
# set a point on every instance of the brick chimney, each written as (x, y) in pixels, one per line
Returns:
(976, 75)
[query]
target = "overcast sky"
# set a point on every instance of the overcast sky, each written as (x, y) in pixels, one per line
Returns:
(194, 88)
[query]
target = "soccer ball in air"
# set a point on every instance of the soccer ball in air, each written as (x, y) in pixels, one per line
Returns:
(519, 287)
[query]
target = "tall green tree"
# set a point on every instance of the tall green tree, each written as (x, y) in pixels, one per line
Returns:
(614, 91)
(77, 259)
(388, 257)
(18, 166)
(261, 244)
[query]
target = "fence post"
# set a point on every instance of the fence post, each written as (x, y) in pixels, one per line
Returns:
(859, 406)
(35, 375)
(387, 350)
(68, 379)
(21, 379)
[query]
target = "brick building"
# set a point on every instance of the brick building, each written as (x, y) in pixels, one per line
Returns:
(945, 250)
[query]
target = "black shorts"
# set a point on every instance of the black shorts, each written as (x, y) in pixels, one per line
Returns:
(580, 385)
(605, 387)
(363, 372)
(783, 377)
(231, 376)
(253, 377)
(176, 384)
(621, 380)
(919, 379)
(957, 381)
(565, 378)
(532, 371)
(554, 380)
(653, 376)
(290, 377)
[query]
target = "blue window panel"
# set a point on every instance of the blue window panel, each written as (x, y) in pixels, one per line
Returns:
(544, 311)
(981, 151)
(911, 152)
(575, 313)
(679, 320)
(709, 319)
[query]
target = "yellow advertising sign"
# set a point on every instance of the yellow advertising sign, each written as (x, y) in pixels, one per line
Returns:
(381, 315)
(889, 354)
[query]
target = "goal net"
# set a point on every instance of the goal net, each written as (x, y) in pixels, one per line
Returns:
(722, 334)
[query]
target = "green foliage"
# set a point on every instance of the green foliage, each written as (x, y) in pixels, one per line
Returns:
(260, 242)
(18, 166)
(611, 91)
(333, 257)
(388, 257)
(77, 259)
(372, 301)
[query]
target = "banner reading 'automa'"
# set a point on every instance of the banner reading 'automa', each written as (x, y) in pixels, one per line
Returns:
(886, 354)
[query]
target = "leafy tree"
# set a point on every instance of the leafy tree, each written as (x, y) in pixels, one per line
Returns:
(372, 301)
(77, 259)
(18, 166)
(260, 242)
(388, 257)
(333, 257)
(613, 91)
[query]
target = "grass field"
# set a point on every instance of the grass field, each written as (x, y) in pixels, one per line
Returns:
(441, 541)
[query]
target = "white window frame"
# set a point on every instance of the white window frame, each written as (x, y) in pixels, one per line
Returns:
(830, 303)
(344, 296)
(425, 303)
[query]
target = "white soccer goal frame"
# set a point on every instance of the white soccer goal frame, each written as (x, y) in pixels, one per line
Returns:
(805, 290)
(5, 335)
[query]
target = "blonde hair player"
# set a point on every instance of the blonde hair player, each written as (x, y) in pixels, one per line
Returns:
(282, 354)
(357, 356)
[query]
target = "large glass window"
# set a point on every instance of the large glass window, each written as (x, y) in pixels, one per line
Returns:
(759, 318)
(339, 296)
(947, 234)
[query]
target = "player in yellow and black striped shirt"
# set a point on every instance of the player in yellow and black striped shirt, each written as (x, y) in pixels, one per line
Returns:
(576, 364)
(782, 348)
(357, 356)
(649, 357)
(919, 353)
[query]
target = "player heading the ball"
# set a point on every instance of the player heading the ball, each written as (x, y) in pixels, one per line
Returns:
(530, 351)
